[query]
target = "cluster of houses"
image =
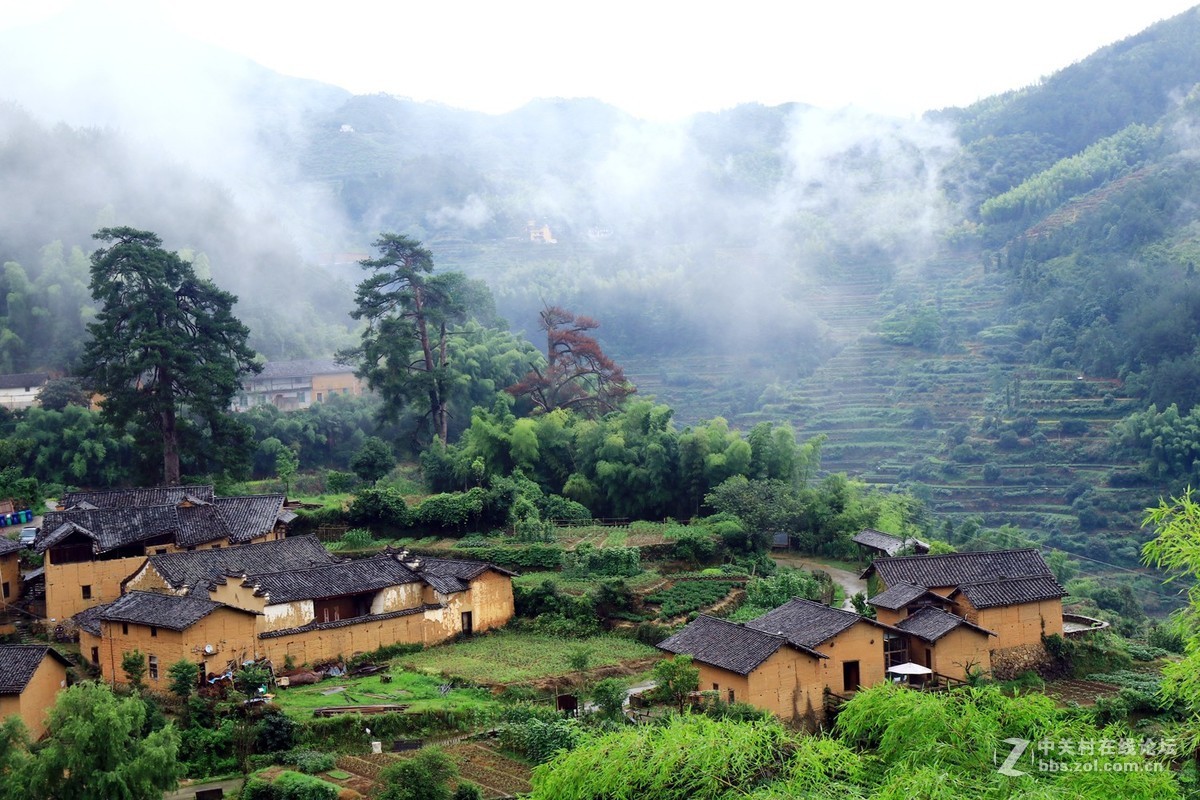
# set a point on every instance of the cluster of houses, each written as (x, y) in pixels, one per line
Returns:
(945, 618)
(177, 573)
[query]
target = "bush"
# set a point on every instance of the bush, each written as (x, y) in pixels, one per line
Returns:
(451, 510)
(381, 507)
(295, 786)
(422, 777)
(609, 562)
(309, 761)
(537, 733)
(357, 539)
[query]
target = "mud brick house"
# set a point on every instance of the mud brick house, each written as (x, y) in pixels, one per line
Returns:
(1012, 593)
(786, 660)
(30, 678)
(289, 599)
(97, 539)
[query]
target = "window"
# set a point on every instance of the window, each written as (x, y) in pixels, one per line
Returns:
(153, 631)
(716, 687)
(731, 695)
(895, 650)
(125, 628)
(216, 547)
(6, 590)
(320, 396)
(160, 551)
(87, 591)
(153, 667)
(96, 655)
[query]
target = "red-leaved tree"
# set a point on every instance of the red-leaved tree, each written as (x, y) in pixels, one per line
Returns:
(578, 375)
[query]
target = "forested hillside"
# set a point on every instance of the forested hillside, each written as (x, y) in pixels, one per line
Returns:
(982, 305)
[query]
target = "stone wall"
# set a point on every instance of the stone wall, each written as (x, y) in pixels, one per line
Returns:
(1009, 662)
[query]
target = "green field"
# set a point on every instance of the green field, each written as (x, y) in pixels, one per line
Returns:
(420, 692)
(511, 657)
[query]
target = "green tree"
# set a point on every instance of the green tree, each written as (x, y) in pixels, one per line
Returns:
(95, 749)
(133, 664)
(164, 341)
(425, 776)
(676, 678)
(373, 460)
(287, 461)
(403, 353)
(1176, 548)
(59, 393)
(184, 677)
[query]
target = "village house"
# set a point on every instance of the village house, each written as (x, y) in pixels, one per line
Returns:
(290, 385)
(21, 390)
(789, 659)
(1011, 594)
(289, 600)
(10, 582)
(879, 543)
(30, 678)
(97, 539)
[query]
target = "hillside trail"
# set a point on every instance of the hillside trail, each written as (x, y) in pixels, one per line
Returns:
(849, 581)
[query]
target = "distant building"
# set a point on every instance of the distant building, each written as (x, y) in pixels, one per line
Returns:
(886, 544)
(290, 385)
(540, 233)
(20, 391)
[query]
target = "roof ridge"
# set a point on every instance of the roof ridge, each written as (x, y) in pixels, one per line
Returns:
(927, 557)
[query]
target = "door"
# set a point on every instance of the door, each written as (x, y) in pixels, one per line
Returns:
(850, 678)
(468, 626)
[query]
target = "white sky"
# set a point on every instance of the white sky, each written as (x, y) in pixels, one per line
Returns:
(656, 58)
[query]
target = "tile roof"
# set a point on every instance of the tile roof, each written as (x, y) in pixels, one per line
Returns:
(18, 662)
(878, 540)
(806, 624)
(331, 580)
(900, 595)
(89, 619)
(723, 644)
(931, 624)
(170, 611)
(1011, 591)
(304, 368)
(8, 545)
(204, 567)
(132, 498)
(449, 575)
(253, 515)
(955, 569)
(23, 380)
(108, 528)
(113, 523)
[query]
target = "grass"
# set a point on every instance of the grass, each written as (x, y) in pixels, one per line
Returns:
(420, 692)
(512, 657)
(582, 585)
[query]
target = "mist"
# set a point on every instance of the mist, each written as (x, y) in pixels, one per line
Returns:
(705, 235)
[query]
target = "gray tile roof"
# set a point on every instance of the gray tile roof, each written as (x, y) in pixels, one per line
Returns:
(8, 545)
(23, 380)
(900, 595)
(89, 619)
(931, 624)
(253, 515)
(806, 624)
(878, 540)
(304, 368)
(169, 611)
(18, 662)
(204, 567)
(723, 644)
(955, 569)
(1011, 591)
(115, 524)
(449, 575)
(331, 580)
(133, 498)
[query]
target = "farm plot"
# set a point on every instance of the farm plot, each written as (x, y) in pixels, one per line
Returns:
(505, 657)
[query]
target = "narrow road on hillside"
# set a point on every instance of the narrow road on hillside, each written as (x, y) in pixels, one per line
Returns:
(849, 581)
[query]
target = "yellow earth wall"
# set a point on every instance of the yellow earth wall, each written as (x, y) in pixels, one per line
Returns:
(862, 642)
(147, 579)
(35, 702)
(340, 383)
(491, 599)
(10, 573)
(328, 644)
(64, 582)
(1018, 624)
(959, 649)
(230, 633)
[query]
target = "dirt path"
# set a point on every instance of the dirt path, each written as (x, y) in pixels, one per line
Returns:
(849, 581)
